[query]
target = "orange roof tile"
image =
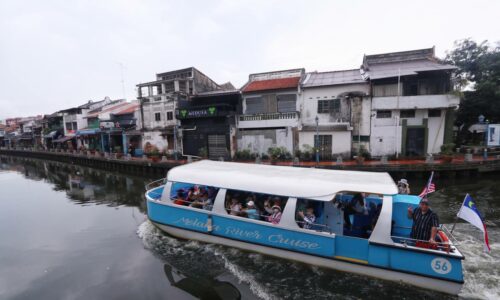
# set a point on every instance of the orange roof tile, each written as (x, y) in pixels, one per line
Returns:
(272, 84)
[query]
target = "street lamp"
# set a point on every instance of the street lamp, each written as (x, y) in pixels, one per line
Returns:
(316, 140)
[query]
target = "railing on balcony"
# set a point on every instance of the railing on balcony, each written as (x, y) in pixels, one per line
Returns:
(270, 116)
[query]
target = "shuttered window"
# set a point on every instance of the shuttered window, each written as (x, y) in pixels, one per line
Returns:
(255, 105)
(287, 103)
(329, 106)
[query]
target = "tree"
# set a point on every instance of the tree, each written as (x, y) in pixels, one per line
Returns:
(479, 73)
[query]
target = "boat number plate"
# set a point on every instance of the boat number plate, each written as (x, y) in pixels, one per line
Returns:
(441, 265)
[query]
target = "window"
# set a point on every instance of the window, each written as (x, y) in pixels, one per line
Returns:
(286, 103)
(261, 207)
(157, 116)
(384, 114)
(309, 215)
(254, 105)
(193, 195)
(408, 113)
(329, 106)
(170, 115)
(434, 113)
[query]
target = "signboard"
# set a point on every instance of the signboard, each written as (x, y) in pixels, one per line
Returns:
(493, 135)
(197, 113)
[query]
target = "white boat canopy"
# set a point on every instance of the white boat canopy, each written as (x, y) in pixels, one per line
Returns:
(318, 184)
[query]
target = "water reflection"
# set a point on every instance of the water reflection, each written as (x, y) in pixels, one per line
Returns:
(201, 287)
(82, 185)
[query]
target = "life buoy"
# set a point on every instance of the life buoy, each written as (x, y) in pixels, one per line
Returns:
(444, 243)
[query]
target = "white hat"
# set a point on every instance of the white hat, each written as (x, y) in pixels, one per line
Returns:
(250, 203)
(404, 181)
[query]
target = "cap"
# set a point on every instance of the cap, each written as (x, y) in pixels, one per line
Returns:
(250, 203)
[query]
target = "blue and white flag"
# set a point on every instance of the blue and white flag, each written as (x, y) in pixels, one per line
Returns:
(469, 213)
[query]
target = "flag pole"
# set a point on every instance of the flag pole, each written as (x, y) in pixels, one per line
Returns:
(456, 217)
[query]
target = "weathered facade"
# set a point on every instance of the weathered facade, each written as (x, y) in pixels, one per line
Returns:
(159, 100)
(270, 113)
(412, 102)
(340, 102)
(208, 124)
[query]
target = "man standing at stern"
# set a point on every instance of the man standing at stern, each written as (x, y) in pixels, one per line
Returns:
(425, 225)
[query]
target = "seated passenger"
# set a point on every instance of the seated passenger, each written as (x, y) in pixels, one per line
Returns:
(235, 207)
(207, 202)
(179, 199)
(251, 211)
(275, 217)
(355, 206)
(200, 201)
(308, 218)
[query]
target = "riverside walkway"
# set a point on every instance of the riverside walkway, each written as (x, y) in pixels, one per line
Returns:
(458, 166)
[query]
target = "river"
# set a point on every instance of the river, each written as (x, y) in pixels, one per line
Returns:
(70, 232)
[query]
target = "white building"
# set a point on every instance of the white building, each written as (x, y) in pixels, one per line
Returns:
(159, 100)
(412, 102)
(75, 118)
(340, 101)
(270, 115)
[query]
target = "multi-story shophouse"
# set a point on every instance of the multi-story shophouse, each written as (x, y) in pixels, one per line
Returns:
(412, 102)
(159, 100)
(334, 113)
(270, 116)
(75, 119)
(208, 123)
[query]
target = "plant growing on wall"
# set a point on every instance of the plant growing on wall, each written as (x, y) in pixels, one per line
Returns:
(279, 153)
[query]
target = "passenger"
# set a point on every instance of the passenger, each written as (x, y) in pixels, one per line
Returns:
(206, 201)
(275, 217)
(355, 206)
(179, 199)
(251, 211)
(201, 200)
(403, 187)
(267, 206)
(308, 218)
(425, 225)
(235, 207)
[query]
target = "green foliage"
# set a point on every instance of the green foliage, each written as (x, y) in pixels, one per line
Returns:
(244, 154)
(203, 152)
(279, 153)
(478, 68)
(447, 149)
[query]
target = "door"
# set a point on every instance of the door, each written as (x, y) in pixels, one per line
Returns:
(415, 142)
(193, 143)
(325, 146)
(217, 146)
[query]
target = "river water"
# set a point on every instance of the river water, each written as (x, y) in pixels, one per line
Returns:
(69, 232)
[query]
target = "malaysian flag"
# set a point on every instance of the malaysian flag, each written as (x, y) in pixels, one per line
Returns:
(430, 187)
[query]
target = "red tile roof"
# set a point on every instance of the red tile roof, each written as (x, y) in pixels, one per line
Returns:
(272, 84)
(128, 110)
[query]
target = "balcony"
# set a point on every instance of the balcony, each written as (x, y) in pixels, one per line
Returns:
(284, 119)
(415, 102)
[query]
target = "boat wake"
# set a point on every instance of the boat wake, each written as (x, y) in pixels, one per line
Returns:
(273, 278)
(481, 270)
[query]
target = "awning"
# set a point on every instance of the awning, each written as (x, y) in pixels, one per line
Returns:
(88, 131)
(63, 139)
(133, 132)
(50, 135)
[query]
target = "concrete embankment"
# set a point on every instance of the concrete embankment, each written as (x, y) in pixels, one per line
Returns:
(139, 166)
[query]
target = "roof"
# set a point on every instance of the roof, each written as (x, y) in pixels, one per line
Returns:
(272, 84)
(406, 68)
(319, 184)
(108, 109)
(314, 79)
(129, 110)
(218, 93)
(402, 63)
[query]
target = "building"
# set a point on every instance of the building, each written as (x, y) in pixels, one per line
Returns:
(208, 123)
(340, 104)
(412, 102)
(52, 128)
(270, 113)
(75, 119)
(159, 100)
(2, 135)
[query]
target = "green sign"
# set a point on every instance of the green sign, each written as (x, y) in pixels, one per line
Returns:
(198, 113)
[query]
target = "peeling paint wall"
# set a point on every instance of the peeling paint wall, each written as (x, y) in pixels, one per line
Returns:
(260, 140)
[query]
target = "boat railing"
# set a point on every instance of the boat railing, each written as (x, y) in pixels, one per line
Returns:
(443, 246)
(316, 227)
(155, 184)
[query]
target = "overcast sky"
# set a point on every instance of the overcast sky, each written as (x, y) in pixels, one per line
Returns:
(59, 54)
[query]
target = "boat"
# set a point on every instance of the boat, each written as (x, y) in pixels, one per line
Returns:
(216, 202)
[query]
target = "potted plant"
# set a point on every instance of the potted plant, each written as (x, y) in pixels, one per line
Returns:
(447, 152)
(203, 152)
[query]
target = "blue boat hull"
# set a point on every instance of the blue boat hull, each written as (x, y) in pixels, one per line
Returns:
(343, 253)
